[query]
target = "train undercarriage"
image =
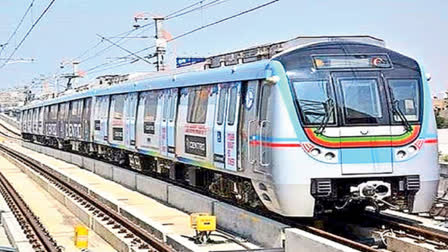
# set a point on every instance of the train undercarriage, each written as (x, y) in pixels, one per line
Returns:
(365, 193)
(225, 186)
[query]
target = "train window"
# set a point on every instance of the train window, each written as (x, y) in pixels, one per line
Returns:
(118, 101)
(232, 105)
(197, 105)
(172, 107)
(166, 106)
(151, 101)
(54, 112)
(406, 94)
(221, 105)
(265, 94)
(61, 114)
(105, 106)
(361, 100)
(86, 110)
(313, 98)
(74, 109)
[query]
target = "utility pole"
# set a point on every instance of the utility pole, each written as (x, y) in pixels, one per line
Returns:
(160, 44)
(71, 77)
(159, 36)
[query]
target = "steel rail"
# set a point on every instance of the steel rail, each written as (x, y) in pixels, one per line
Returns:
(399, 225)
(25, 217)
(133, 228)
(338, 239)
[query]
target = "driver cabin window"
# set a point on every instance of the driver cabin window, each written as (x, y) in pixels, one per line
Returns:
(314, 99)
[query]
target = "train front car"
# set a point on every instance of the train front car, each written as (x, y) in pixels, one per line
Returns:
(360, 127)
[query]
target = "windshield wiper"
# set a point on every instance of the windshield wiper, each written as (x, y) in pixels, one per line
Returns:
(397, 110)
(329, 110)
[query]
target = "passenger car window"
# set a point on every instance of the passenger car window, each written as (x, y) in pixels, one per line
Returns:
(118, 106)
(197, 105)
(172, 107)
(232, 105)
(406, 94)
(221, 105)
(54, 112)
(151, 101)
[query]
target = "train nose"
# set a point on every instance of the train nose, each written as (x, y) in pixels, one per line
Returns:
(372, 189)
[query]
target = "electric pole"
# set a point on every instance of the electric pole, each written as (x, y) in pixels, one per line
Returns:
(159, 36)
(160, 44)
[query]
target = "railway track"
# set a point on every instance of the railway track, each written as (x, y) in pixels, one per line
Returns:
(36, 233)
(401, 229)
(139, 237)
(11, 134)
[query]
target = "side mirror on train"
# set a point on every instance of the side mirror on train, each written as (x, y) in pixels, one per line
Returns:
(428, 76)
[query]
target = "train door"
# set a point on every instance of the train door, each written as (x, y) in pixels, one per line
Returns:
(130, 116)
(265, 128)
(171, 122)
(256, 127)
(365, 123)
(86, 119)
(231, 126)
(41, 120)
(104, 118)
(219, 126)
(116, 119)
(163, 100)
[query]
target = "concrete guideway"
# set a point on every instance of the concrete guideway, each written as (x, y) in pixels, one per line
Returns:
(59, 221)
(159, 218)
(10, 124)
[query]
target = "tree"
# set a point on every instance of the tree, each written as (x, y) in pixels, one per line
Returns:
(441, 122)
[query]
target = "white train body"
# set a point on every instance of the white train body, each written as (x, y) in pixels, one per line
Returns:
(311, 129)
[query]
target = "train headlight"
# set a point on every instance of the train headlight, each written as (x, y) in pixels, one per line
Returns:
(412, 149)
(315, 152)
(401, 154)
(330, 156)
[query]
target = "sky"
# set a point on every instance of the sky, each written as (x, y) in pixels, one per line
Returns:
(415, 28)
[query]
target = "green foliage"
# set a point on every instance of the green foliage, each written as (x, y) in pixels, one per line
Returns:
(441, 122)
(444, 158)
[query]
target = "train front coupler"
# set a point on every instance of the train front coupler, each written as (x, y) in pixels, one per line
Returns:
(373, 192)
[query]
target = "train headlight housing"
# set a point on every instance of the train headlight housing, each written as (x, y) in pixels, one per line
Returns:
(412, 149)
(315, 152)
(401, 154)
(330, 156)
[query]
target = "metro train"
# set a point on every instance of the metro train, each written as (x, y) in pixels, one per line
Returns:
(325, 125)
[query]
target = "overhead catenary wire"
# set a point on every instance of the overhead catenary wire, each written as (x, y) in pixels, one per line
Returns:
(28, 33)
(17, 27)
(222, 20)
(124, 49)
(125, 35)
(196, 30)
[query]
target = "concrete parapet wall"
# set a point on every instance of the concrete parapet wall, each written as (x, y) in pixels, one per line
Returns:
(189, 201)
(253, 227)
(103, 169)
(299, 240)
(152, 187)
(124, 177)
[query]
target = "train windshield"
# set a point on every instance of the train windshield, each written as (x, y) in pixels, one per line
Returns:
(405, 94)
(315, 99)
(361, 101)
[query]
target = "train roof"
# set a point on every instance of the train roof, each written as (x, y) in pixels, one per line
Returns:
(255, 70)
